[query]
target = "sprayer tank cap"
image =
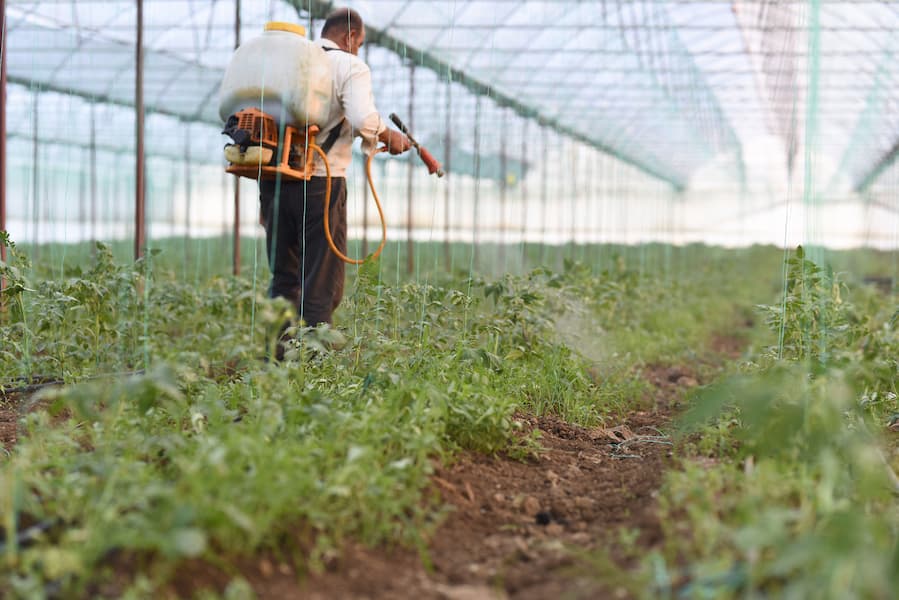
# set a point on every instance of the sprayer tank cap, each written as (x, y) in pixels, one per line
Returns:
(284, 26)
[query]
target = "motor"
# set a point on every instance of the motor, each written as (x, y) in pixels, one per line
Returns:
(288, 98)
(257, 153)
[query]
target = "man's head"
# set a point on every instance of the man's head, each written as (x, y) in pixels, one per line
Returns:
(344, 27)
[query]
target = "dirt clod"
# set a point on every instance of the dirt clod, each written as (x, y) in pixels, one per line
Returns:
(265, 567)
(530, 506)
(687, 381)
(552, 478)
(554, 529)
(583, 502)
(468, 592)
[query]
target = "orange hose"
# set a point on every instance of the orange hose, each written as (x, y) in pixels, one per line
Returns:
(327, 224)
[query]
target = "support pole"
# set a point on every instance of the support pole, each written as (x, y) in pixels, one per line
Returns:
(2, 131)
(236, 256)
(410, 257)
(139, 200)
(447, 154)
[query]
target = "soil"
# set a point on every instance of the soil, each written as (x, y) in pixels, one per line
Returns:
(516, 529)
(9, 417)
(562, 524)
(565, 523)
(14, 404)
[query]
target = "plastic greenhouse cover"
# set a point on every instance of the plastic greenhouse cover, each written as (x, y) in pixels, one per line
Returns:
(672, 85)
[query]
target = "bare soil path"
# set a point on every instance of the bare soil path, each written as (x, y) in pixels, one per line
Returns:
(539, 528)
(517, 529)
(549, 527)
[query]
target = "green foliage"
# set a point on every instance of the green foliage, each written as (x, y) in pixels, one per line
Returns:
(814, 511)
(14, 274)
(175, 440)
(813, 319)
(774, 531)
(205, 447)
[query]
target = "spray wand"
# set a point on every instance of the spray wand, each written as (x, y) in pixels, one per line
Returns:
(426, 157)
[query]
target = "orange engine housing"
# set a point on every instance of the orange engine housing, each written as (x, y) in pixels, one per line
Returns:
(292, 159)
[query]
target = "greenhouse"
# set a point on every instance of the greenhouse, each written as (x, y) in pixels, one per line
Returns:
(449, 299)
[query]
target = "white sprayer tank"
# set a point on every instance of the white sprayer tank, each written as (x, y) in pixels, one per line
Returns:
(281, 73)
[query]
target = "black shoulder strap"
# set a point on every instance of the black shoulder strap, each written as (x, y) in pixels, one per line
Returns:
(335, 132)
(332, 137)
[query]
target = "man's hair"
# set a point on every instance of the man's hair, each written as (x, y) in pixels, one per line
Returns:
(341, 21)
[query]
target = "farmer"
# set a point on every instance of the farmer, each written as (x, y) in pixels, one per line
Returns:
(304, 269)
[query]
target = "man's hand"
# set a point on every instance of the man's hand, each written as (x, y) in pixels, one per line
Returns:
(396, 142)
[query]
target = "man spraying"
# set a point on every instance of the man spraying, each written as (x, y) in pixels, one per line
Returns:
(304, 268)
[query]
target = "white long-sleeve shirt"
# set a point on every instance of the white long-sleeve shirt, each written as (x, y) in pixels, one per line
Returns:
(352, 99)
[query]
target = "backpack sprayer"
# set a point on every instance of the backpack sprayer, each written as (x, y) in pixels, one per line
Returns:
(282, 73)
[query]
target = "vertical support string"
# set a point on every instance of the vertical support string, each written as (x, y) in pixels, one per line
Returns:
(447, 161)
(477, 182)
(522, 181)
(410, 248)
(188, 194)
(503, 186)
(236, 256)
(35, 175)
(364, 182)
(93, 175)
(82, 197)
(544, 189)
(2, 131)
(592, 187)
(573, 157)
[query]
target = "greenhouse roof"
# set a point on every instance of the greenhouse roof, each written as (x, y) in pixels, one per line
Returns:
(669, 86)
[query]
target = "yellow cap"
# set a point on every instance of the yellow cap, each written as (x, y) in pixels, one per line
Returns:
(284, 26)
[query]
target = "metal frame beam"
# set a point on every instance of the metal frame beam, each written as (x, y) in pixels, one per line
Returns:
(105, 99)
(424, 58)
(884, 163)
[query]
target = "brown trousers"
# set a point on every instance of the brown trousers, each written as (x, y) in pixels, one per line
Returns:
(304, 269)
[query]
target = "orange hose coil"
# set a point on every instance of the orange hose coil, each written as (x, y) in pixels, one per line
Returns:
(327, 224)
